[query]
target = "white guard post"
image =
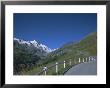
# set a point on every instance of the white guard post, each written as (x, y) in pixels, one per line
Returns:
(45, 70)
(57, 67)
(64, 64)
(70, 62)
(79, 60)
(83, 59)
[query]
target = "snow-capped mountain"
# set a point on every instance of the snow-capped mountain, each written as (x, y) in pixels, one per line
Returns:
(34, 44)
(28, 54)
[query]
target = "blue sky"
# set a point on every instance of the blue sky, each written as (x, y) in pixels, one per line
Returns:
(54, 29)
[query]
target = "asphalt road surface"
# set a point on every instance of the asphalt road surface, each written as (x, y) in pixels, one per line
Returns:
(87, 68)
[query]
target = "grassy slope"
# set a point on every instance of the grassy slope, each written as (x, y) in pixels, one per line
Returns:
(84, 48)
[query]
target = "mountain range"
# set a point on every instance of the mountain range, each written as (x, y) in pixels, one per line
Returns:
(29, 53)
(33, 44)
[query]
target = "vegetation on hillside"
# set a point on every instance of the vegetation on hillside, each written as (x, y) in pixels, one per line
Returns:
(29, 64)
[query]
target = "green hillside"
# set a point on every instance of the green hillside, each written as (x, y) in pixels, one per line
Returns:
(81, 49)
(84, 48)
(23, 59)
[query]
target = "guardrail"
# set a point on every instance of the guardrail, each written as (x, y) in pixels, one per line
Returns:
(56, 65)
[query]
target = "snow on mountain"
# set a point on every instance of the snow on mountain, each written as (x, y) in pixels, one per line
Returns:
(54, 49)
(45, 48)
(35, 44)
(22, 41)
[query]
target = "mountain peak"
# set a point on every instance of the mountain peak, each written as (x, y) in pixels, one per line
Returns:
(34, 41)
(35, 44)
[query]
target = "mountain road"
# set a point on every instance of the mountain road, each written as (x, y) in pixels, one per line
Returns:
(87, 68)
